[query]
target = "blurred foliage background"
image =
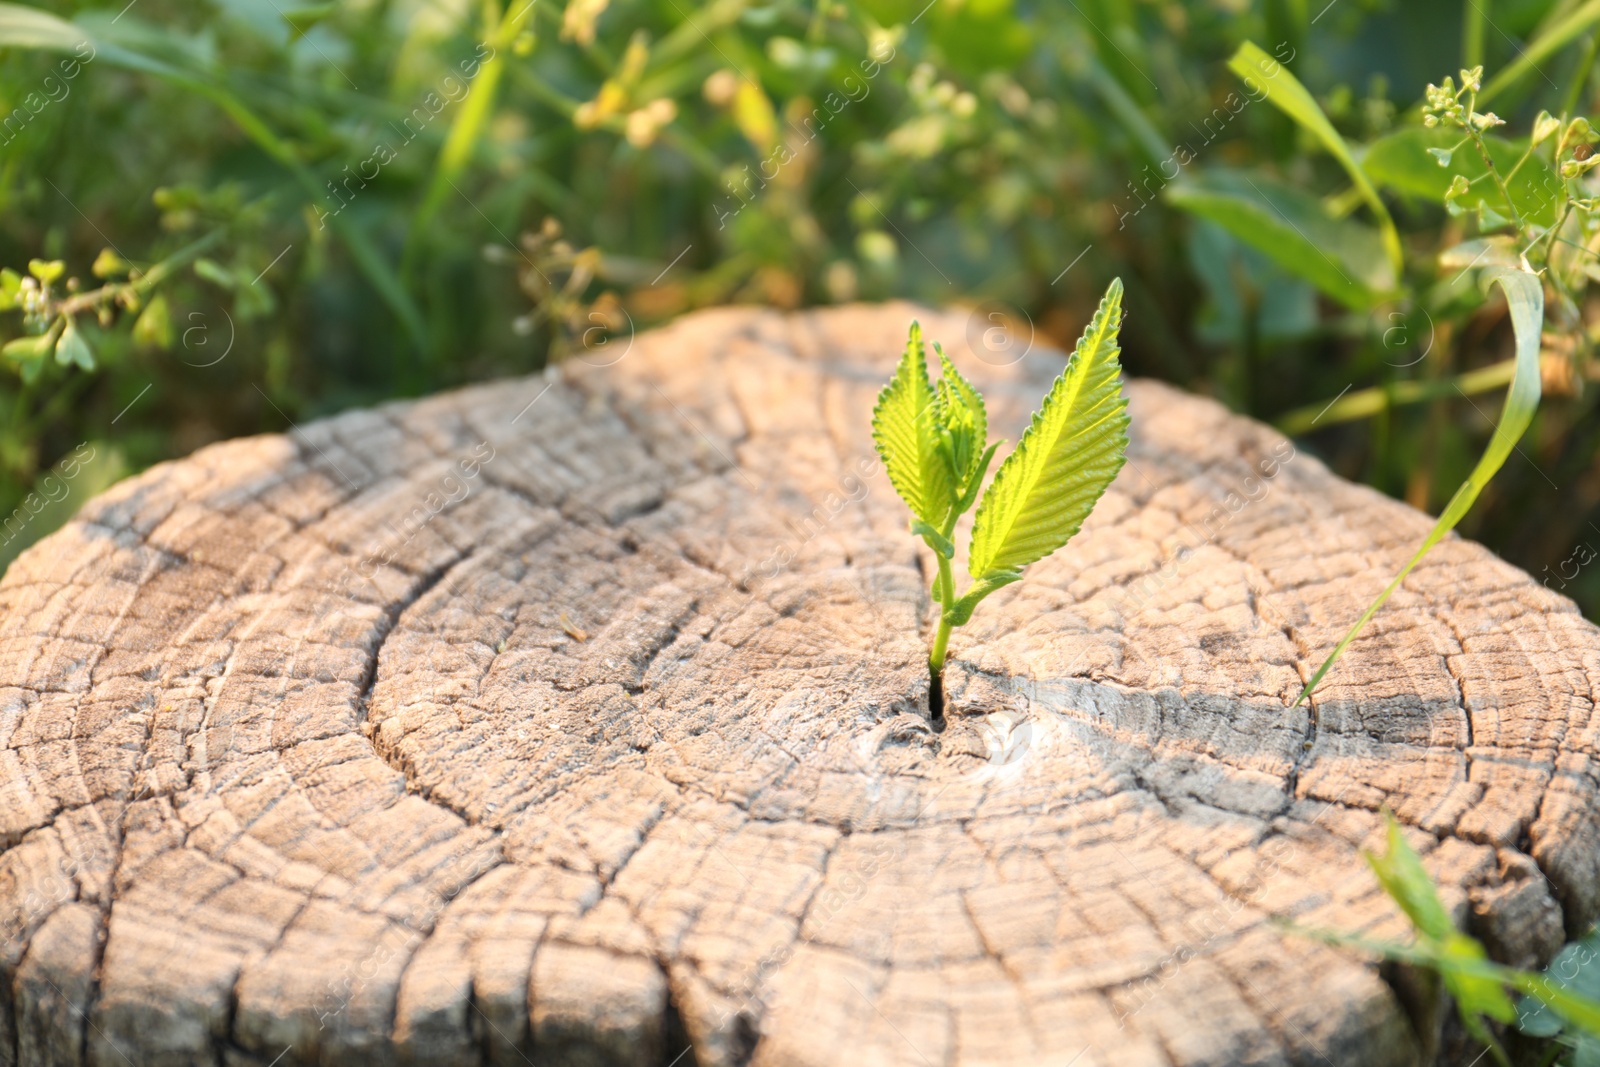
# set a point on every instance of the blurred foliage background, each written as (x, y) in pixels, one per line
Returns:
(266, 210)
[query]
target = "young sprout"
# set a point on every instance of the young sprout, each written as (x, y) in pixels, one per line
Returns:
(934, 444)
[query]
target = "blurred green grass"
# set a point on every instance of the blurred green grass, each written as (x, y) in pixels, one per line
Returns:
(401, 197)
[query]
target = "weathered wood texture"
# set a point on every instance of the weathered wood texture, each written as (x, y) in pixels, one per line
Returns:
(563, 720)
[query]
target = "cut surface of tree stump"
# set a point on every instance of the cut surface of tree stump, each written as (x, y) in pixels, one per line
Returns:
(582, 720)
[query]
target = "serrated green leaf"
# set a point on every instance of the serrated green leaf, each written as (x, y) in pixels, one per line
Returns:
(905, 428)
(963, 422)
(1065, 460)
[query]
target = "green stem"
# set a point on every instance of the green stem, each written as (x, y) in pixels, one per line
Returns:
(500, 32)
(1580, 76)
(1472, 21)
(81, 302)
(1364, 403)
(1511, 175)
(1488, 163)
(1546, 44)
(941, 641)
(1549, 236)
(947, 597)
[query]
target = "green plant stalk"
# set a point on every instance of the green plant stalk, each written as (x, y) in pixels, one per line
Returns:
(78, 303)
(1550, 237)
(1488, 162)
(158, 273)
(945, 593)
(21, 427)
(1580, 77)
(695, 31)
(1548, 43)
(1525, 299)
(1527, 154)
(1126, 110)
(1472, 21)
(1365, 403)
(941, 639)
(501, 31)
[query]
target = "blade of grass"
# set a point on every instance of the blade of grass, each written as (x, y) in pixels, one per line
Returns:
(1284, 90)
(1126, 110)
(1525, 297)
(1473, 18)
(1545, 45)
(694, 32)
(469, 121)
(1580, 76)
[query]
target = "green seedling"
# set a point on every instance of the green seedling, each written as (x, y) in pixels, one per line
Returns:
(934, 444)
(1559, 1003)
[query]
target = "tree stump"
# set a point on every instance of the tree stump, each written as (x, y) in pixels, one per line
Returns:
(582, 719)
